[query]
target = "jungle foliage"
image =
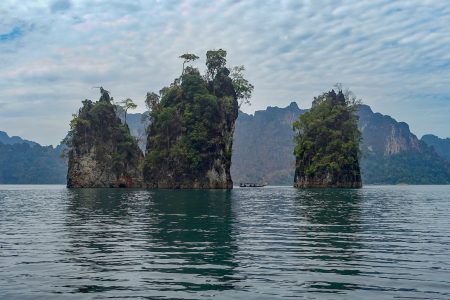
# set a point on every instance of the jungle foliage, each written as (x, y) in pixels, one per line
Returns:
(98, 126)
(327, 140)
(192, 120)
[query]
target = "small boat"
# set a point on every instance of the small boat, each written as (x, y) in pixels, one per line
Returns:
(251, 184)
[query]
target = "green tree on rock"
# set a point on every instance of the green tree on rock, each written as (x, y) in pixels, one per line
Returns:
(127, 104)
(188, 57)
(241, 85)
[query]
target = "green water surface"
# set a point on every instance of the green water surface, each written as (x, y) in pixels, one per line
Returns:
(380, 242)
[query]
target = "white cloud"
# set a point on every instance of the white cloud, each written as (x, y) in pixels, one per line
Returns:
(393, 54)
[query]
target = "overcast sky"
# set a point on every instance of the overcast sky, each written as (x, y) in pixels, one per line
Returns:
(395, 55)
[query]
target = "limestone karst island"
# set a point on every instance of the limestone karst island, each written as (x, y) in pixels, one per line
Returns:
(225, 149)
(327, 143)
(190, 135)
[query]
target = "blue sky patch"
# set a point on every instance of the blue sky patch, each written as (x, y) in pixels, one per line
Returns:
(15, 33)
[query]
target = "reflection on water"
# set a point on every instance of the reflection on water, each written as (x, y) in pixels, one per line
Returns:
(333, 223)
(331, 207)
(193, 230)
(170, 240)
(269, 243)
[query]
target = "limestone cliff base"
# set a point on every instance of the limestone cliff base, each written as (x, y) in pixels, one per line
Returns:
(86, 172)
(304, 182)
(218, 177)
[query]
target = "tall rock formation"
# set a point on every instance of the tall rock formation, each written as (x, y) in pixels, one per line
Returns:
(102, 153)
(327, 144)
(190, 138)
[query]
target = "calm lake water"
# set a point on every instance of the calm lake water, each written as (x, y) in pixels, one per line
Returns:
(276, 242)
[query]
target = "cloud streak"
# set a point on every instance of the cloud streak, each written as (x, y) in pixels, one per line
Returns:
(393, 54)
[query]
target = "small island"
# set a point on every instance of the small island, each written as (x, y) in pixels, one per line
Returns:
(192, 122)
(190, 136)
(327, 143)
(102, 152)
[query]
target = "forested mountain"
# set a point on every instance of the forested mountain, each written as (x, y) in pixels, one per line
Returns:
(189, 141)
(22, 163)
(391, 153)
(101, 150)
(327, 143)
(394, 155)
(441, 146)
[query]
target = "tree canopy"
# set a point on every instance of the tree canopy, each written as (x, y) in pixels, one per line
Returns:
(188, 57)
(128, 104)
(241, 85)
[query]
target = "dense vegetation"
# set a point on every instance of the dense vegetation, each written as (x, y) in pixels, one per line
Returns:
(441, 146)
(192, 124)
(405, 168)
(98, 133)
(327, 143)
(22, 163)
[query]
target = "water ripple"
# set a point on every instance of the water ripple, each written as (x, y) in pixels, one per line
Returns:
(270, 243)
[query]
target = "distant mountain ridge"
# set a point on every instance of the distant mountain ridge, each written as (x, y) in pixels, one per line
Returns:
(384, 135)
(263, 151)
(138, 123)
(7, 140)
(27, 162)
(441, 146)
(391, 154)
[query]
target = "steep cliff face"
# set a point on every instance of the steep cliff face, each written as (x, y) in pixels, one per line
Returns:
(384, 135)
(190, 137)
(263, 145)
(102, 151)
(394, 155)
(327, 144)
